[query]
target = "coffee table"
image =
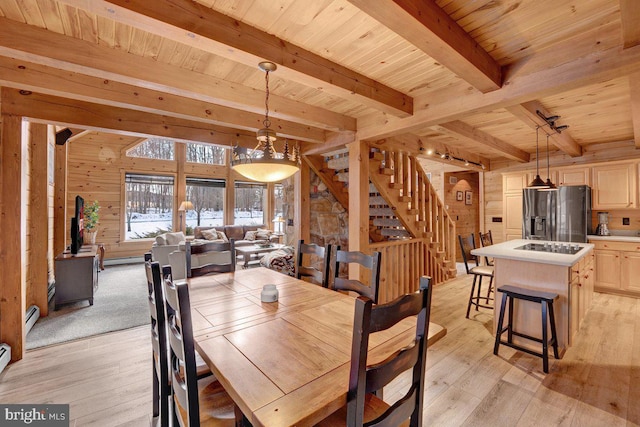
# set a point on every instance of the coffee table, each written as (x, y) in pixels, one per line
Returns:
(247, 251)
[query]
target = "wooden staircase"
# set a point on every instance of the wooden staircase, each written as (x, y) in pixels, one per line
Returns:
(404, 210)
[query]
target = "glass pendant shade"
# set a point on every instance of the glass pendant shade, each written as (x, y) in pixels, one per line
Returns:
(263, 163)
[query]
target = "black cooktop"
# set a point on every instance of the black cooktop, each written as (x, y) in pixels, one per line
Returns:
(558, 248)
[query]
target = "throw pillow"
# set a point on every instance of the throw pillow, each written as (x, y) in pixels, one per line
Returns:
(174, 238)
(223, 236)
(210, 234)
(161, 240)
(250, 235)
(263, 234)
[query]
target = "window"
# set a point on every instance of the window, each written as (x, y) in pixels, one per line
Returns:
(206, 153)
(207, 196)
(153, 148)
(278, 208)
(149, 205)
(250, 200)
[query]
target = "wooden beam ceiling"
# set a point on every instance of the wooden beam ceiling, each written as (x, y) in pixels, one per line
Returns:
(68, 84)
(522, 84)
(195, 25)
(468, 132)
(334, 141)
(44, 47)
(630, 16)
(53, 109)
(527, 112)
(634, 86)
(433, 31)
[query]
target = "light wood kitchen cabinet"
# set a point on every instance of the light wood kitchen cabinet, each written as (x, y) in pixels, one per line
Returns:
(617, 267)
(614, 186)
(514, 183)
(581, 293)
(574, 176)
(513, 216)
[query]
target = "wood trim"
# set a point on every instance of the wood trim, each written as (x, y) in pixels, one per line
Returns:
(181, 21)
(38, 223)
(12, 250)
(468, 132)
(40, 78)
(30, 43)
(302, 201)
(630, 17)
(358, 202)
(433, 31)
(180, 186)
(527, 112)
(60, 201)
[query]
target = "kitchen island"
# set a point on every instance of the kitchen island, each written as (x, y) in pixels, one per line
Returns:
(549, 267)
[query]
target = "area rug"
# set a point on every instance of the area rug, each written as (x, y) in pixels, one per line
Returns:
(119, 303)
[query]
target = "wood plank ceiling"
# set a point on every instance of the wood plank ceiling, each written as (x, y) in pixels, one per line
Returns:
(458, 76)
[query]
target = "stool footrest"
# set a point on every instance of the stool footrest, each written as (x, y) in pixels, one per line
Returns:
(517, 347)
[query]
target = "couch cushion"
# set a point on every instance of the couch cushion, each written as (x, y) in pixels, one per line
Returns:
(250, 235)
(174, 238)
(161, 240)
(235, 232)
(263, 234)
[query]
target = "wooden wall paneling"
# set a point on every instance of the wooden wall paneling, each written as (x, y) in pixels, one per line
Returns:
(302, 202)
(60, 199)
(492, 191)
(358, 202)
(634, 92)
(38, 219)
(12, 245)
(51, 146)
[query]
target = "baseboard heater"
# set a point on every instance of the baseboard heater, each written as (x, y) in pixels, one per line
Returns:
(51, 290)
(5, 356)
(32, 316)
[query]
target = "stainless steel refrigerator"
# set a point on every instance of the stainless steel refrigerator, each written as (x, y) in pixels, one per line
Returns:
(563, 215)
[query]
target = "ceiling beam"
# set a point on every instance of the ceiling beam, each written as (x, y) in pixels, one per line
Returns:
(518, 88)
(334, 141)
(30, 43)
(420, 146)
(195, 25)
(57, 110)
(469, 133)
(634, 89)
(527, 112)
(67, 84)
(425, 25)
(630, 17)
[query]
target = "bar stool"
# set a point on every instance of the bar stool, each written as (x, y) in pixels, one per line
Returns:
(545, 299)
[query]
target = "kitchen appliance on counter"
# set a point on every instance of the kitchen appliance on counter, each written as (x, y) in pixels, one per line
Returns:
(603, 224)
(563, 215)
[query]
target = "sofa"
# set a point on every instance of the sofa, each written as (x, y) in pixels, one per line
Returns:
(244, 235)
(165, 244)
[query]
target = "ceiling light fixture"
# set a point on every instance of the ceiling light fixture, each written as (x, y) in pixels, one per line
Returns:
(548, 183)
(264, 163)
(537, 181)
(451, 158)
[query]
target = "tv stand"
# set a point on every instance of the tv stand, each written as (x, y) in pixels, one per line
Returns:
(76, 275)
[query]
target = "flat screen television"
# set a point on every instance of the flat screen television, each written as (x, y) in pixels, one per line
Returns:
(77, 226)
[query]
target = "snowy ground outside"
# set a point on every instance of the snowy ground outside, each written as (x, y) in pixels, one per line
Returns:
(146, 223)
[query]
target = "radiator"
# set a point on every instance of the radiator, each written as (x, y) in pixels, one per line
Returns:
(5, 355)
(32, 316)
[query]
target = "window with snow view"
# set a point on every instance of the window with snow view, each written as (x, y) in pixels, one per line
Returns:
(149, 205)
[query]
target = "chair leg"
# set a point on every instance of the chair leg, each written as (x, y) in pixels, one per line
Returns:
(156, 390)
(554, 335)
(490, 289)
(496, 345)
(510, 325)
(545, 339)
(478, 294)
(473, 287)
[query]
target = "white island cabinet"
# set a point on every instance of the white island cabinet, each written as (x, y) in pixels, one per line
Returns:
(568, 275)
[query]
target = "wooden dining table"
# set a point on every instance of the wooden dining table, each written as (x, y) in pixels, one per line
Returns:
(284, 363)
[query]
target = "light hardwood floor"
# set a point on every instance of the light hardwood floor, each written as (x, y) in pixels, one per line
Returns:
(107, 379)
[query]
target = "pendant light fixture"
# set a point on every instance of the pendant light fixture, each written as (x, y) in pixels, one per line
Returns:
(548, 183)
(537, 181)
(264, 163)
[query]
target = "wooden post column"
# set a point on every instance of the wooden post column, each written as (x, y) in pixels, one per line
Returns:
(38, 219)
(12, 291)
(358, 201)
(302, 208)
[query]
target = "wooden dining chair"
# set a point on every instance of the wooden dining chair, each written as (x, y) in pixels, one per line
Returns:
(194, 402)
(160, 378)
(213, 257)
(365, 378)
(467, 244)
(311, 272)
(370, 262)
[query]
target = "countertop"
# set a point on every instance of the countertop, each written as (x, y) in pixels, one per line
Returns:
(616, 238)
(507, 250)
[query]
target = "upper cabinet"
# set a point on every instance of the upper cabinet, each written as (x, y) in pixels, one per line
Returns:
(514, 183)
(574, 176)
(614, 186)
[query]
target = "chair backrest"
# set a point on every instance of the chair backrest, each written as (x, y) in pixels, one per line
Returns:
(158, 341)
(310, 273)
(182, 359)
(466, 245)
(210, 267)
(371, 262)
(486, 240)
(365, 379)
